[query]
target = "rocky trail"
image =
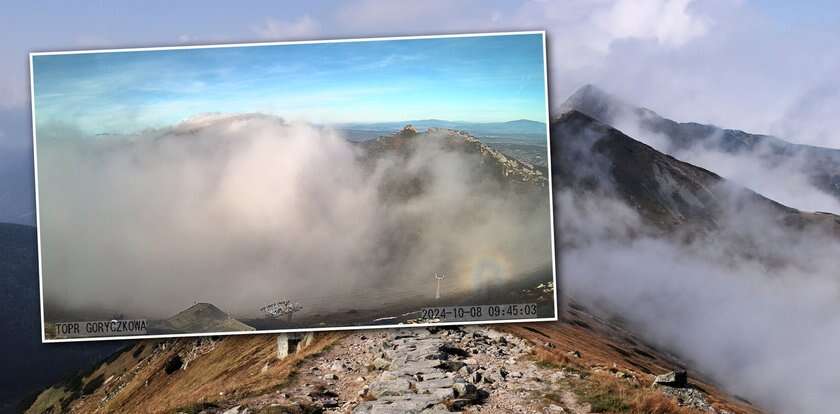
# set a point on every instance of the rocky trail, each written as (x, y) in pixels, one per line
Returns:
(465, 369)
(587, 364)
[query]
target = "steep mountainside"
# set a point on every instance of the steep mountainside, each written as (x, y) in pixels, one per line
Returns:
(821, 165)
(668, 193)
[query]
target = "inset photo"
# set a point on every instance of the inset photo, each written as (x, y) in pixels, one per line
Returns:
(296, 186)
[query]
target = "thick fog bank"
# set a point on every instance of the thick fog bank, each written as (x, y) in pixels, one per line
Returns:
(241, 211)
(755, 306)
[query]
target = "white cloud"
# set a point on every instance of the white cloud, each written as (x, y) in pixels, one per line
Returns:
(410, 16)
(812, 117)
(668, 21)
(733, 316)
(719, 61)
(284, 30)
(265, 199)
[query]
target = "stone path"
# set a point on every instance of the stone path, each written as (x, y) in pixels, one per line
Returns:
(424, 373)
(470, 369)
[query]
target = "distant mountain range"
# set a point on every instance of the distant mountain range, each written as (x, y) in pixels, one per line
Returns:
(520, 126)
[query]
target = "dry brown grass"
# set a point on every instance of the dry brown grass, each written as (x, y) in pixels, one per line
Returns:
(548, 359)
(655, 402)
(231, 371)
(608, 394)
(601, 346)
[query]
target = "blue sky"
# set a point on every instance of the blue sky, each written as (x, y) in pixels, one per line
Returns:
(480, 79)
(764, 66)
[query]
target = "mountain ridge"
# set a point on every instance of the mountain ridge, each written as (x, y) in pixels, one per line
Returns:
(505, 167)
(820, 164)
(667, 192)
(518, 126)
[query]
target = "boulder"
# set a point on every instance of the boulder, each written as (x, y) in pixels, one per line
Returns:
(463, 389)
(396, 387)
(675, 379)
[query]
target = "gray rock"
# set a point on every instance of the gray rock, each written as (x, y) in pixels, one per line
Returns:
(429, 385)
(419, 367)
(396, 387)
(436, 409)
(381, 363)
(432, 376)
(463, 389)
(443, 394)
(675, 379)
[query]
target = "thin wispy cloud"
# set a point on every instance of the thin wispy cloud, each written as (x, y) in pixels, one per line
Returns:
(293, 29)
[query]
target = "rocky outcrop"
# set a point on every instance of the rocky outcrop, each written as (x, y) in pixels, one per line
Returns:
(675, 384)
(408, 131)
(505, 168)
(675, 379)
(509, 167)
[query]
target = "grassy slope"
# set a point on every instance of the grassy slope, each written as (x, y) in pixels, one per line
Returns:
(605, 349)
(231, 368)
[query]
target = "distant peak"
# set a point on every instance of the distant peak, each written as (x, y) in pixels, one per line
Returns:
(206, 310)
(598, 104)
(590, 89)
(588, 95)
(408, 131)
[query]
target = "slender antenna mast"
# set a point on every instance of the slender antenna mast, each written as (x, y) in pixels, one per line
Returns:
(438, 278)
